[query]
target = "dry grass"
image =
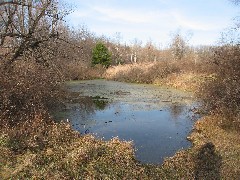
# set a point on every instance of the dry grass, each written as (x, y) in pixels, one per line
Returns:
(186, 81)
(128, 72)
(47, 150)
(226, 144)
(114, 71)
(141, 72)
(41, 150)
(215, 155)
(166, 74)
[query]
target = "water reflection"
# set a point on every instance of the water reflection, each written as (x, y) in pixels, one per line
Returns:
(132, 112)
(100, 102)
(176, 110)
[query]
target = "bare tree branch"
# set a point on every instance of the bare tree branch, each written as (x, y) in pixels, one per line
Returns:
(26, 24)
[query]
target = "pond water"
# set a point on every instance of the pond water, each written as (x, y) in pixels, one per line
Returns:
(157, 119)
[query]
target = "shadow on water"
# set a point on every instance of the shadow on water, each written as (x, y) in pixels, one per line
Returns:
(157, 120)
(208, 163)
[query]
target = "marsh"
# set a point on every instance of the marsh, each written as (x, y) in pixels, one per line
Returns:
(157, 119)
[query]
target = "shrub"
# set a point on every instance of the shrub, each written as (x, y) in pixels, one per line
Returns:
(101, 55)
(75, 71)
(27, 89)
(222, 92)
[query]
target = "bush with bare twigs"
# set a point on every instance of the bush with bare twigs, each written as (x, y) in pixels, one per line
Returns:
(26, 90)
(221, 93)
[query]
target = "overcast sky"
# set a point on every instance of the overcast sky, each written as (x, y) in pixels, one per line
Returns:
(155, 19)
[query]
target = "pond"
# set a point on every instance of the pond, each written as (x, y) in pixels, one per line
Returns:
(157, 119)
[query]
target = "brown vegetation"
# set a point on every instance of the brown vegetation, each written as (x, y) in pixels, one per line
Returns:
(141, 72)
(214, 155)
(26, 90)
(221, 94)
(38, 52)
(29, 77)
(40, 150)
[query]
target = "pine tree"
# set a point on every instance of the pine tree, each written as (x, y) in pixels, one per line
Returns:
(101, 55)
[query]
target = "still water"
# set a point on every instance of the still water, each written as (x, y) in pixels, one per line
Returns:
(156, 119)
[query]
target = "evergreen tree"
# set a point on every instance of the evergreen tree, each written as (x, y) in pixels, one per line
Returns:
(101, 55)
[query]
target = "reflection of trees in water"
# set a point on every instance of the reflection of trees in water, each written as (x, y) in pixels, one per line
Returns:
(88, 105)
(176, 110)
(100, 102)
(82, 110)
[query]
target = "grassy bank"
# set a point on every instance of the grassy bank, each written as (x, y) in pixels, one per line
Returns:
(55, 151)
(159, 73)
(215, 154)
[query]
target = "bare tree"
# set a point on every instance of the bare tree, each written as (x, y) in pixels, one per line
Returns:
(135, 48)
(178, 47)
(26, 25)
(150, 52)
